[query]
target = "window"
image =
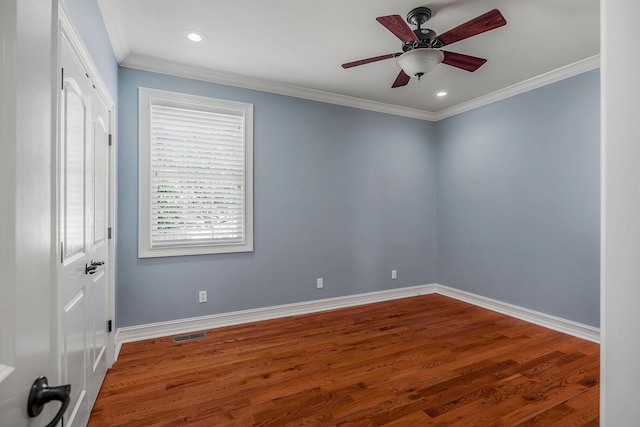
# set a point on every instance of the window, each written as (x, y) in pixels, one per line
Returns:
(195, 175)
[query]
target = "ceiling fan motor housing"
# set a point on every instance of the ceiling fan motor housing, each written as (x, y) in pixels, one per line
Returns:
(426, 38)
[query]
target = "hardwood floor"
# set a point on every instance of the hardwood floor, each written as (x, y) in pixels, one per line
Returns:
(422, 361)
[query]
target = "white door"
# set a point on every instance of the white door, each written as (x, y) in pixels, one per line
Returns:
(83, 201)
(27, 249)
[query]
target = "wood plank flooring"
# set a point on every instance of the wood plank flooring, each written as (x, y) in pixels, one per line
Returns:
(422, 361)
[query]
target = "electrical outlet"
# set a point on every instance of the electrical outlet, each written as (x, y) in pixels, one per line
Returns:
(202, 296)
(394, 274)
(319, 283)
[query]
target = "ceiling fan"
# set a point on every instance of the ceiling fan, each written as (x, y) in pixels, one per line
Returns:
(421, 47)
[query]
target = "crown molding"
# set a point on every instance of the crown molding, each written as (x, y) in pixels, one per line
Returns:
(562, 73)
(115, 31)
(163, 67)
(180, 70)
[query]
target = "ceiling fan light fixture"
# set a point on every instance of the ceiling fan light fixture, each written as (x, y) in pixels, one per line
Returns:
(418, 62)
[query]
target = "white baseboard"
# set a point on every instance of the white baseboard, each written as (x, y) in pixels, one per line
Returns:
(181, 326)
(559, 324)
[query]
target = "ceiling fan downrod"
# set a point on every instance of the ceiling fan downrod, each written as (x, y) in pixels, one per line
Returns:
(419, 16)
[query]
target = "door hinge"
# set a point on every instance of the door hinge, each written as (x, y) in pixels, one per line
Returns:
(61, 78)
(110, 139)
(109, 325)
(109, 233)
(61, 252)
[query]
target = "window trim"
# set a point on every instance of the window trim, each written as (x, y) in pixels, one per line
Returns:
(146, 97)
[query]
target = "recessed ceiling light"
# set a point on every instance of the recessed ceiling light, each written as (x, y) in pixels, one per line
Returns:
(194, 37)
(441, 94)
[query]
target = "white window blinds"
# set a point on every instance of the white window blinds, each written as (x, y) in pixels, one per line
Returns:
(197, 178)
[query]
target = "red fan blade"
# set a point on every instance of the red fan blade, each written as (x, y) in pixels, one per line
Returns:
(399, 27)
(401, 80)
(369, 60)
(488, 21)
(466, 62)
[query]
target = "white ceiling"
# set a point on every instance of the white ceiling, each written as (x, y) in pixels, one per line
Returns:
(296, 43)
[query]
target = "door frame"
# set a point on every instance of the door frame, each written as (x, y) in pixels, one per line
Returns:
(64, 26)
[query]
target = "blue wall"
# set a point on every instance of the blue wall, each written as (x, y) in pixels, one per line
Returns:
(339, 193)
(519, 200)
(502, 201)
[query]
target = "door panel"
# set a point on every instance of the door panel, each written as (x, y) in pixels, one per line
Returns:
(74, 359)
(74, 130)
(101, 165)
(99, 321)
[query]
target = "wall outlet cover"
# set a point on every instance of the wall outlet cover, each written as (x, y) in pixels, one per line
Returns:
(202, 296)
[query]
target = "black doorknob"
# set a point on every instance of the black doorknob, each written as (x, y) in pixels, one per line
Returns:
(41, 394)
(92, 267)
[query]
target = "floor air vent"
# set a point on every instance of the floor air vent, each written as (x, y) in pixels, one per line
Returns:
(189, 337)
